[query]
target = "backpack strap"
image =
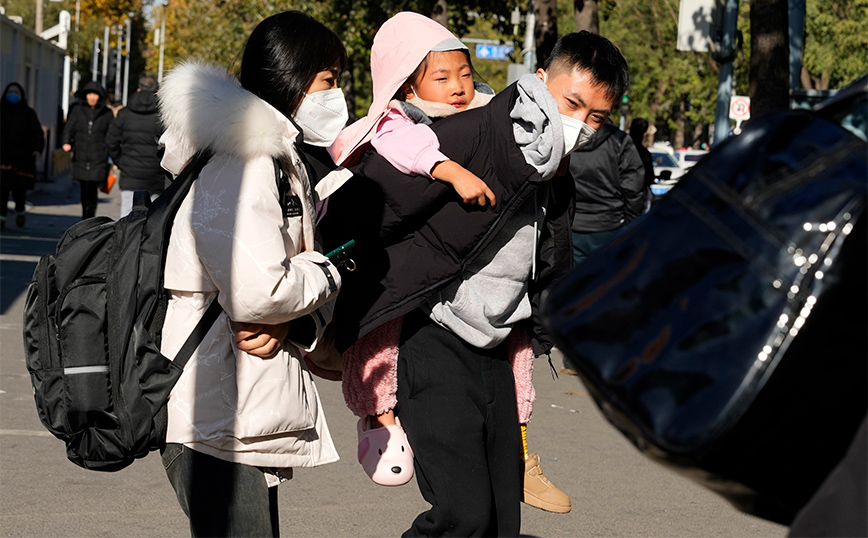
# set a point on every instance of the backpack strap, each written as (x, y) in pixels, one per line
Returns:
(198, 334)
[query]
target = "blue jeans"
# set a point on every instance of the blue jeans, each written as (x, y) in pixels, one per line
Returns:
(221, 498)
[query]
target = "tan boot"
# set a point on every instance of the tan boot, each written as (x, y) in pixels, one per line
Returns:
(541, 493)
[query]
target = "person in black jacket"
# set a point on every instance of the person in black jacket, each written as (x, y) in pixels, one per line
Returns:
(84, 135)
(133, 144)
(610, 189)
(638, 128)
(21, 140)
(464, 277)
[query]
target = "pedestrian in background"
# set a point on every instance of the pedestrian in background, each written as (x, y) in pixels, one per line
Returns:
(85, 135)
(638, 129)
(610, 189)
(133, 144)
(21, 141)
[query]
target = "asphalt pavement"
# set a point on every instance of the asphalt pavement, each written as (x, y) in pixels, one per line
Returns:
(615, 490)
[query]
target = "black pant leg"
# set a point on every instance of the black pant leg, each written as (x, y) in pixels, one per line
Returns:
(4, 199)
(89, 198)
(19, 195)
(457, 404)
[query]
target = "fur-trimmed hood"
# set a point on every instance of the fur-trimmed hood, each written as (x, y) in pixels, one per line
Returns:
(204, 106)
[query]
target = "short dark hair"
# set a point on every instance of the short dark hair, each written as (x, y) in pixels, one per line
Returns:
(638, 127)
(283, 55)
(148, 83)
(597, 55)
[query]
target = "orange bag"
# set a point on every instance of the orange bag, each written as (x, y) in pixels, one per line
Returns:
(114, 174)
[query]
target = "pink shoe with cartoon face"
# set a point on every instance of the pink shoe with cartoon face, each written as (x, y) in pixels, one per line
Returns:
(385, 453)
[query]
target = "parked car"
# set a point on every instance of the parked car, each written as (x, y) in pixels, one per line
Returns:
(688, 157)
(667, 170)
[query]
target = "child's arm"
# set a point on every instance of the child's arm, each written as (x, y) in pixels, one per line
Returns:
(469, 187)
(414, 149)
(410, 147)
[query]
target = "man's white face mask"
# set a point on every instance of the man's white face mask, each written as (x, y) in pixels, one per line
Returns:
(576, 133)
(321, 116)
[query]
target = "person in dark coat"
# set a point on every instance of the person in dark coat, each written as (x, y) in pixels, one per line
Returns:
(21, 141)
(463, 277)
(85, 136)
(638, 128)
(610, 189)
(133, 144)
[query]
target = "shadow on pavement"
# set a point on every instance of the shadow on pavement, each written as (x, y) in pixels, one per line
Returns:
(14, 278)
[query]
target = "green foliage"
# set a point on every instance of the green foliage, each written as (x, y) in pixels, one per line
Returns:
(676, 91)
(216, 31)
(836, 42)
(357, 21)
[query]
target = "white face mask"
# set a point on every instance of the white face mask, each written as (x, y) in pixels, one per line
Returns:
(321, 116)
(576, 133)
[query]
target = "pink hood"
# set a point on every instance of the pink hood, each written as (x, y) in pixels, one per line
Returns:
(399, 47)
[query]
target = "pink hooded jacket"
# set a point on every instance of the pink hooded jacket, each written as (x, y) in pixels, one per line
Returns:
(393, 60)
(369, 367)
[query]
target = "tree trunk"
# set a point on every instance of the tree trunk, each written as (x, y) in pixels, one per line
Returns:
(769, 56)
(545, 33)
(805, 78)
(440, 13)
(587, 14)
(677, 137)
(349, 87)
(698, 137)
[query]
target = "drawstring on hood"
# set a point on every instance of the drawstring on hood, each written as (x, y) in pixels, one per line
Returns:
(537, 126)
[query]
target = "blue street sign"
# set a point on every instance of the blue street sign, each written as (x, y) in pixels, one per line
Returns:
(494, 52)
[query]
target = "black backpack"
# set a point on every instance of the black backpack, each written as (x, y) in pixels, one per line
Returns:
(92, 324)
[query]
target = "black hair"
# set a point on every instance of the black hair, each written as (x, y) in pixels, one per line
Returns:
(585, 51)
(20, 91)
(148, 83)
(91, 87)
(638, 128)
(413, 80)
(283, 55)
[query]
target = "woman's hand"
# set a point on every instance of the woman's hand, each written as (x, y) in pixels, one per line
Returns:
(66, 147)
(258, 339)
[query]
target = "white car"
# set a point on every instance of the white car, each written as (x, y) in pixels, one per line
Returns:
(689, 157)
(667, 170)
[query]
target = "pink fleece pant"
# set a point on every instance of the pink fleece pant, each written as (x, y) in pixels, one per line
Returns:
(370, 371)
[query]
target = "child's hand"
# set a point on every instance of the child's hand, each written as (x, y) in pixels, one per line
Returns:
(470, 188)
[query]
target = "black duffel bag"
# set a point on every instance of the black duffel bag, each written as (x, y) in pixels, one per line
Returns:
(724, 333)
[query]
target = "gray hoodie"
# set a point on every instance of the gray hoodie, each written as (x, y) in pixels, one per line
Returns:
(492, 295)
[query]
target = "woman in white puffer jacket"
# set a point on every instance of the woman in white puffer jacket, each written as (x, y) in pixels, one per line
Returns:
(245, 411)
